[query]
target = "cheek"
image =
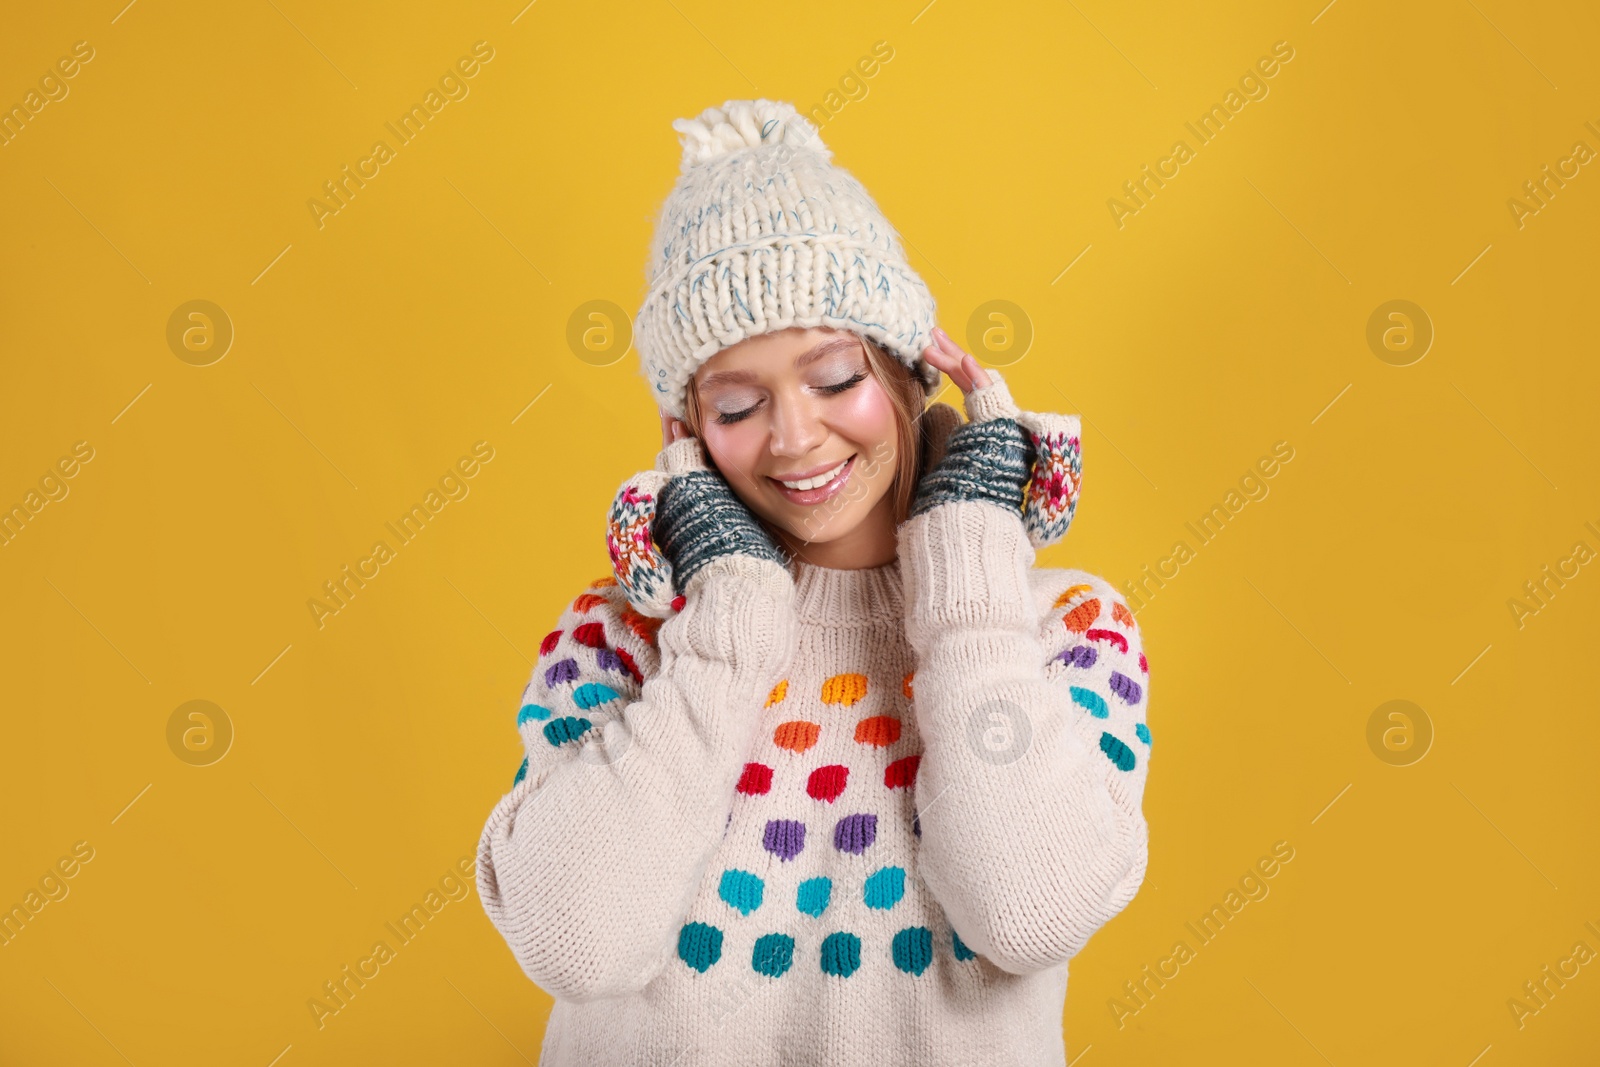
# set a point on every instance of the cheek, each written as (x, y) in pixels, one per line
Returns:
(735, 448)
(865, 416)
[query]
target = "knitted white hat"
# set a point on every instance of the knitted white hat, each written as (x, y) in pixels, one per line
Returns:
(760, 233)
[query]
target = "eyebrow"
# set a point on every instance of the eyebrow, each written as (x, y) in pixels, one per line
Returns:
(732, 377)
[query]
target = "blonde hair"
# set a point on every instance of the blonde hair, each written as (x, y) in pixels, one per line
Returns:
(905, 392)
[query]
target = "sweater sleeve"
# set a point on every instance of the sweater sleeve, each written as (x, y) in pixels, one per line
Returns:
(635, 738)
(1035, 745)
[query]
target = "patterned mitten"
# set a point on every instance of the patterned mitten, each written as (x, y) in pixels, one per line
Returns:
(1029, 463)
(667, 523)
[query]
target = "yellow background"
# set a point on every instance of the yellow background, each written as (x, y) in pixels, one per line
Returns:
(372, 352)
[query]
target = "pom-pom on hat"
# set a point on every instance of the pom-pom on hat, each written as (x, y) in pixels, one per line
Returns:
(763, 232)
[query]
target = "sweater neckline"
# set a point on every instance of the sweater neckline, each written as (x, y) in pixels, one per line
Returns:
(838, 596)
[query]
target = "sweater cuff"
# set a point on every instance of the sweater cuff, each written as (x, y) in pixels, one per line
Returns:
(965, 564)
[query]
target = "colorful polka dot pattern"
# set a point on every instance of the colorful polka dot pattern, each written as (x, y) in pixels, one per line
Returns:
(589, 668)
(586, 675)
(1089, 650)
(838, 954)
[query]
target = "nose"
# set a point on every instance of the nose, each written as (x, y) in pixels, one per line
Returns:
(796, 431)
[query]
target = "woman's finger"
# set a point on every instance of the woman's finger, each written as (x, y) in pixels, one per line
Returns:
(962, 368)
(952, 367)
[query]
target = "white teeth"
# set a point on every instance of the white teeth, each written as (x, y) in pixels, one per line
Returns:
(820, 480)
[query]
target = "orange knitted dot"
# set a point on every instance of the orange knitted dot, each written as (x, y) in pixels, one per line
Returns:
(905, 685)
(587, 601)
(1120, 612)
(1066, 598)
(797, 735)
(601, 583)
(642, 625)
(779, 691)
(844, 689)
(880, 730)
(1083, 616)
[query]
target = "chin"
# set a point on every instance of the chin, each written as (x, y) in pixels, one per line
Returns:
(822, 524)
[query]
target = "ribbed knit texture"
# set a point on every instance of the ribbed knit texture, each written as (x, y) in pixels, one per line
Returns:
(990, 461)
(713, 854)
(698, 518)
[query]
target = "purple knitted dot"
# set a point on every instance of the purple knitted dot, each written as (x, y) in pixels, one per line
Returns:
(1125, 687)
(855, 833)
(565, 671)
(784, 838)
(1081, 656)
(607, 659)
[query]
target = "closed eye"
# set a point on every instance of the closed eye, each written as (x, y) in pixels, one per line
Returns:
(851, 382)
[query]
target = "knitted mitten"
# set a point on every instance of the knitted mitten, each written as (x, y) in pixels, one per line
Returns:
(666, 524)
(1028, 463)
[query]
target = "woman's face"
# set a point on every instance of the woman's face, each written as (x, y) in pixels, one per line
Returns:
(800, 406)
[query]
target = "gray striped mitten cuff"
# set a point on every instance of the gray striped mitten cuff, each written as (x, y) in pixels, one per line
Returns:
(989, 461)
(698, 518)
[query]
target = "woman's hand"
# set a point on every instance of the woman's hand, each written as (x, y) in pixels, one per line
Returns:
(990, 457)
(698, 516)
(666, 524)
(671, 429)
(961, 366)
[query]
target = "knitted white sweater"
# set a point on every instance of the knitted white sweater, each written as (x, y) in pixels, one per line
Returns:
(714, 854)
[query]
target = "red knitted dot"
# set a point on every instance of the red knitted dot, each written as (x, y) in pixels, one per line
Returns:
(633, 668)
(590, 634)
(756, 779)
(826, 783)
(549, 643)
(1144, 664)
(677, 603)
(902, 773)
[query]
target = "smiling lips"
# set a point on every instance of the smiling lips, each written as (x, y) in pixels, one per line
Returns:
(818, 487)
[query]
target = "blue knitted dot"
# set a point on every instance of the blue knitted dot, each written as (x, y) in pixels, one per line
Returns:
(592, 694)
(962, 951)
(699, 945)
(560, 731)
(841, 954)
(812, 897)
(1117, 752)
(532, 711)
(884, 887)
(1089, 699)
(1143, 731)
(741, 890)
(913, 949)
(522, 771)
(773, 954)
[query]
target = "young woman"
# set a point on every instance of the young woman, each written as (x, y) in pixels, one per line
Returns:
(826, 772)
